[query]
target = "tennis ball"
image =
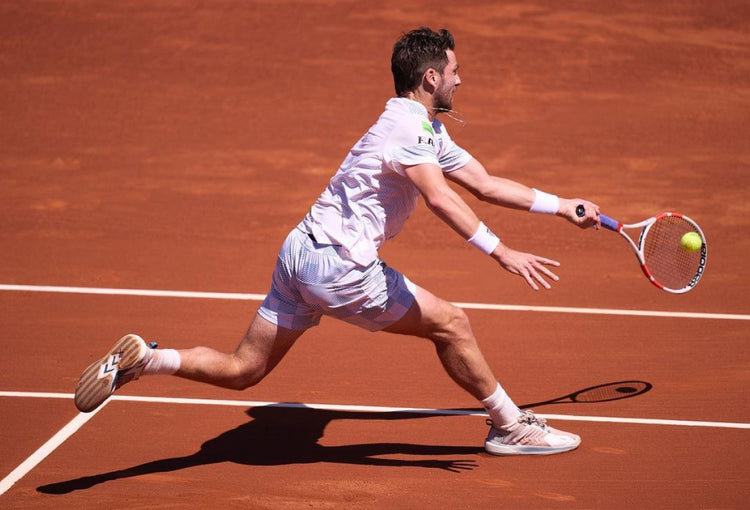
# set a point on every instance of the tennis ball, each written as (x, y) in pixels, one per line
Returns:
(691, 242)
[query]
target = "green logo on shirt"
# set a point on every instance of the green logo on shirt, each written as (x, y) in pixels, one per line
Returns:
(427, 127)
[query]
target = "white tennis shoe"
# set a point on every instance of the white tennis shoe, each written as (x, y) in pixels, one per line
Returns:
(123, 363)
(530, 435)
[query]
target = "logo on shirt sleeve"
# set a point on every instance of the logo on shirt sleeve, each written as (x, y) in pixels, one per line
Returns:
(426, 140)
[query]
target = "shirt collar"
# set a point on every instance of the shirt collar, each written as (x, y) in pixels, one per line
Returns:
(411, 105)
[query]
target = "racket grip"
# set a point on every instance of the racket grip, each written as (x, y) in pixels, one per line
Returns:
(609, 223)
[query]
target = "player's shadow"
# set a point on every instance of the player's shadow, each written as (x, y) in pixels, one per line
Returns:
(289, 434)
(279, 435)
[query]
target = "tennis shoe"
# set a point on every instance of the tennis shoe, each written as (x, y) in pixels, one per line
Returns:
(123, 363)
(530, 435)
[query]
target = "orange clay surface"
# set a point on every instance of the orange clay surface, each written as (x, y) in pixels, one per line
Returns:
(172, 145)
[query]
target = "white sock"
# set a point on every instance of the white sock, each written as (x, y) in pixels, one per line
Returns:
(501, 408)
(163, 361)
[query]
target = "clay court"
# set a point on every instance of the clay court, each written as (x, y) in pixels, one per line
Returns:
(154, 155)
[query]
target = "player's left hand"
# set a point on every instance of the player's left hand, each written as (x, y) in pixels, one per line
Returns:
(531, 268)
(588, 220)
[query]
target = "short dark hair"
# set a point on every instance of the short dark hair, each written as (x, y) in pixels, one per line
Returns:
(416, 52)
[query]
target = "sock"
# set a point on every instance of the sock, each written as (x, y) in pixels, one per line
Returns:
(163, 361)
(500, 407)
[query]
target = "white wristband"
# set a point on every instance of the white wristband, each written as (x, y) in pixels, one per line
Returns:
(484, 239)
(545, 203)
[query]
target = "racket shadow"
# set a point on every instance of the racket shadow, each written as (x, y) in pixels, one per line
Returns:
(607, 392)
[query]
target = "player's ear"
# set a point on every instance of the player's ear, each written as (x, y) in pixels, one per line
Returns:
(430, 79)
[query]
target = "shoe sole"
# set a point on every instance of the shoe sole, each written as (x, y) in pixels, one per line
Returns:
(99, 380)
(496, 449)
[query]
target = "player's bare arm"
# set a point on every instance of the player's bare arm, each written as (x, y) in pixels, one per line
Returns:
(514, 195)
(443, 201)
(447, 205)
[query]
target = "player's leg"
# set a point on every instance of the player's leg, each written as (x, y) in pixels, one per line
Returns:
(261, 349)
(281, 319)
(448, 327)
(379, 298)
(512, 432)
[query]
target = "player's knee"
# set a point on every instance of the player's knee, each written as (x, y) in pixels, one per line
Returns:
(459, 319)
(248, 374)
(245, 381)
(455, 325)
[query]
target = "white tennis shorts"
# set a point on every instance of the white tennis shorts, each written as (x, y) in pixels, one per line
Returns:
(311, 280)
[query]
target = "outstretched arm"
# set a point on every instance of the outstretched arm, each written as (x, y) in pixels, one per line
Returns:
(514, 195)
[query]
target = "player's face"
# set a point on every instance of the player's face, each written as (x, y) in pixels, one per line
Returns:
(448, 83)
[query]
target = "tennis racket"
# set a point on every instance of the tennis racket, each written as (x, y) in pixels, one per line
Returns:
(663, 259)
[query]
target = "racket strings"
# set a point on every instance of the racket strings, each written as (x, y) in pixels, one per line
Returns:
(669, 263)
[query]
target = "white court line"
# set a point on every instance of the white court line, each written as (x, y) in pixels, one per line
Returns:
(474, 306)
(381, 409)
(134, 292)
(38, 456)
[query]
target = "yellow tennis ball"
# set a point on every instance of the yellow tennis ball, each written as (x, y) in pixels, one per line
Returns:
(691, 242)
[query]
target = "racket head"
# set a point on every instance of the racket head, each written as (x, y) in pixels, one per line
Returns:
(665, 262)
(610, 391)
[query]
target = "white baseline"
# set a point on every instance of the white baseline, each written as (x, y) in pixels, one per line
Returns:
(377, 409)
(475, 306)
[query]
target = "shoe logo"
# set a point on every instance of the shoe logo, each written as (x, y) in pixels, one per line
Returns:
(110, 365)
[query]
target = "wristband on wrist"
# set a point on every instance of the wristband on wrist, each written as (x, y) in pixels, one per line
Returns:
(484, 239)
(544, 203)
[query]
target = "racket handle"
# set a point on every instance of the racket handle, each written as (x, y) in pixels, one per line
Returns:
(609, 223)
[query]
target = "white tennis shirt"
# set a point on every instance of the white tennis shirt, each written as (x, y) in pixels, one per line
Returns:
(369, 198)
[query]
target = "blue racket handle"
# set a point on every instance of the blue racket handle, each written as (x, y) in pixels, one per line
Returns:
(607, 222)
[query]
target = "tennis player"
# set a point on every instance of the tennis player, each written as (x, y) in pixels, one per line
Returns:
(329, 264)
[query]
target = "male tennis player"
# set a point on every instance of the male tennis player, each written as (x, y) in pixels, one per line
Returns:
(329, 264)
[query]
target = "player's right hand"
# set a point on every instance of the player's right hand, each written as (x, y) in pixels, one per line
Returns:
(569, 211)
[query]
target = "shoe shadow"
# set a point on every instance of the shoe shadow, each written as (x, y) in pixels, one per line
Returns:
(280, 435)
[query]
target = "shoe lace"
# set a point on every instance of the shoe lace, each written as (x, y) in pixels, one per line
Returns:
(528, 417)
